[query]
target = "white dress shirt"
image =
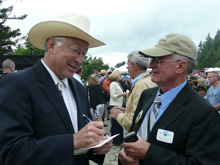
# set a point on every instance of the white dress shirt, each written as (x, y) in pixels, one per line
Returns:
(68, 97)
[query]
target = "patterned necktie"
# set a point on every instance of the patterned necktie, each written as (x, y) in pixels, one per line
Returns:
(60, 86)
(154, 111)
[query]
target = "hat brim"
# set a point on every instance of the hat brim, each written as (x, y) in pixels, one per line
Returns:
(155, 52)
(44, 30)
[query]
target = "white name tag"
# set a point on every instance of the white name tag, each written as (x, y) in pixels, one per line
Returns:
(165, 136)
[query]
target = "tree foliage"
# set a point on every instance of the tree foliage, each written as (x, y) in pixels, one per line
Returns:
(28, 49)
(209, 52)
(8, 37)
(91, 64)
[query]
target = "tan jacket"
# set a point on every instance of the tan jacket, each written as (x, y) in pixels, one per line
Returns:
(125, 120)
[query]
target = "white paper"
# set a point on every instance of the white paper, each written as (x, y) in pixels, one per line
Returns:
(85, 150)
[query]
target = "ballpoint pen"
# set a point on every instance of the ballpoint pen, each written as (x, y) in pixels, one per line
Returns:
(87, 118)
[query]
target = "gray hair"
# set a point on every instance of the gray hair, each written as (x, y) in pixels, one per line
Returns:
(141, 61)
(7, 64)
(215, 74)
(191, 63)
(58, 41)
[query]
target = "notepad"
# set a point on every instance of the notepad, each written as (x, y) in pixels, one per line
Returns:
(101, 143)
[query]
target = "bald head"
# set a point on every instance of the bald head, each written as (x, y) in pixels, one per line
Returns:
(8, 66)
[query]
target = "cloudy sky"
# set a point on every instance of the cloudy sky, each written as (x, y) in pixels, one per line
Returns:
(126, 25)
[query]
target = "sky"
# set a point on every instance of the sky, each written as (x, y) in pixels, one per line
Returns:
(125, 25)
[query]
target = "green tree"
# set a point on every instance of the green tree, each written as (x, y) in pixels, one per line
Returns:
(8, 37)
(28, 49)
(218, 57)
(210, 58)
(216, 41)
(91, 64)
(207, 56)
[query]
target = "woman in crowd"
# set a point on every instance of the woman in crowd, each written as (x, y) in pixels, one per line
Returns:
(201, 90)
(97, 102)
(116, 99)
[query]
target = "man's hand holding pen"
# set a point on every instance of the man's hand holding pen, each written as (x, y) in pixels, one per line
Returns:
(91, 135)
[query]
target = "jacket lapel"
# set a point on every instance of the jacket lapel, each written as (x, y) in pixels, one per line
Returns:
(175, 109)
(46, 84)
(146, 103)
(73, 86)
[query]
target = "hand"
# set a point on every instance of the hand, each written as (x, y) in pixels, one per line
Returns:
(89, 135)
(105, 148)
(138, 149)
(126, 159)
(120, 108)
(114, 113)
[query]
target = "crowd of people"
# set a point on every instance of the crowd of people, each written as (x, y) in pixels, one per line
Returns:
(208, 86)
(48, 116)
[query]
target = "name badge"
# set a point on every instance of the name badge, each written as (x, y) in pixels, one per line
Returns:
(165, 136)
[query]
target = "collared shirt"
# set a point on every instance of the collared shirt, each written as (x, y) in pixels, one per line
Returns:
(166, 99)
(68, 97)
(137, 78)
(78, 78)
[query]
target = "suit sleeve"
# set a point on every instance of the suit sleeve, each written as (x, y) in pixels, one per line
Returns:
(126, 119)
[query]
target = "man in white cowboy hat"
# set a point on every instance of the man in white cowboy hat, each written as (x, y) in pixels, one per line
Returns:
(180, 127)
(43, 122)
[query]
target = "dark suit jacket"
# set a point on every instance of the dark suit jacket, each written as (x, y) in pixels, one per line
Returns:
(3, 75)
(35, 127)
(196, 127)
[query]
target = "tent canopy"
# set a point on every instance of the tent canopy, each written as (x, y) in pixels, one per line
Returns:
(21, 61)
(213, 69)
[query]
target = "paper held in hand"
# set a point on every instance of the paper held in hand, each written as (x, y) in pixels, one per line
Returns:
(85, 150)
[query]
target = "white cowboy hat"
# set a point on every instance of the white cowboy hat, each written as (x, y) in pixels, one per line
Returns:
(70, 25)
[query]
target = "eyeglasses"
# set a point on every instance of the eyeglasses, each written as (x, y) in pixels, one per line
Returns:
(157, 61)
(76, 52)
